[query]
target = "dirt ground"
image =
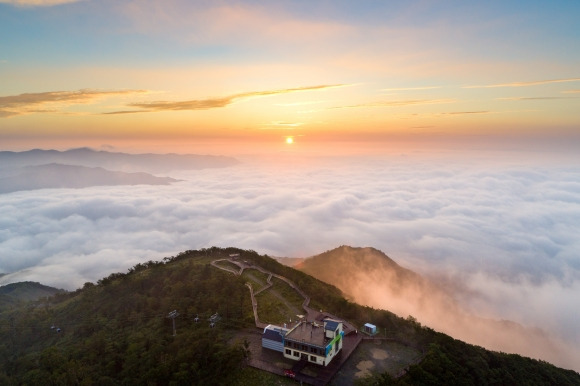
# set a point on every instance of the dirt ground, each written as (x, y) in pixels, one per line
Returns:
(377, 356)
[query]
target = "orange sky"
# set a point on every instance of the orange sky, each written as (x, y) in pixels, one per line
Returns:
(159, 75)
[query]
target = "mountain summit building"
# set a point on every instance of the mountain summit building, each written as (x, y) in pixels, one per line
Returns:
(308, 341)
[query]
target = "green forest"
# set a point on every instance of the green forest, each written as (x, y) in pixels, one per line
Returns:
(117, 332)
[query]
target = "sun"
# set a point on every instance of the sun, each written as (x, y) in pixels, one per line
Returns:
(289, 140)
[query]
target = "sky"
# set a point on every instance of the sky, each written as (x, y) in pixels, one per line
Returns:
(245, 75)
(444, 133)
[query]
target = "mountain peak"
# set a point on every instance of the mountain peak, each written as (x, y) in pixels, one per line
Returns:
(359, 255)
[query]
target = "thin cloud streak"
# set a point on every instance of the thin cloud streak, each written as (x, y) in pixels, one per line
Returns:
(121, 112)
(289, 125)
(534, 98)
(30, 103)
(304, 103)
(466, 112)
(525, 84)
(212, 103)
(411, 88)
(398, 103)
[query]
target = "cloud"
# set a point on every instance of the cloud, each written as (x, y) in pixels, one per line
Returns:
(212, 103)
(526, 84)
(411, 88)
(398, 103)
(120, 112)
(253, 25)
(279, 124)
(533, 98)
(302, 103)
(466, 112)
(31, 103)
(38, 3)
(571, 91)
(505, 232)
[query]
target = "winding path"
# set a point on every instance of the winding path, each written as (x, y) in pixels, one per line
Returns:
(253, 294)
(350, 341)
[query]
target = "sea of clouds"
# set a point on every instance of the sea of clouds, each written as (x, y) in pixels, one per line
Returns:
(503, 235)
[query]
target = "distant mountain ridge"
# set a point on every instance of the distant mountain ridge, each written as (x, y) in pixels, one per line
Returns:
(13, 293)
(73, 176)
(84, 167)
(154, 163)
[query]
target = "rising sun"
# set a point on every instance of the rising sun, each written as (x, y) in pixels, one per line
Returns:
(289, 140)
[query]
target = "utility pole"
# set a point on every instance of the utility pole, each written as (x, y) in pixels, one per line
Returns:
(172, 315)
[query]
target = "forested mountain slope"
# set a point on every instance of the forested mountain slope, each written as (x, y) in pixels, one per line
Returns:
(117, 332)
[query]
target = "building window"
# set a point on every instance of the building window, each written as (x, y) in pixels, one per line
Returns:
(296, 354)
(312, 358)
(288, 352)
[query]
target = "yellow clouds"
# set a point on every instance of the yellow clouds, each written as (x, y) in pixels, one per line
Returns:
(526, 84)
(38, 3)
(60, 101)
(212, 103)
(54, 101)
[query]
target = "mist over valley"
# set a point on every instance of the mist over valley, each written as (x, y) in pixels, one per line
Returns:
(368, 276)
(496, 236)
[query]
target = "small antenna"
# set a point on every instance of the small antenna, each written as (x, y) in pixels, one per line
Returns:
(172, 315)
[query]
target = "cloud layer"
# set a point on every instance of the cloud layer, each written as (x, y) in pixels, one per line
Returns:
(506, 234)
